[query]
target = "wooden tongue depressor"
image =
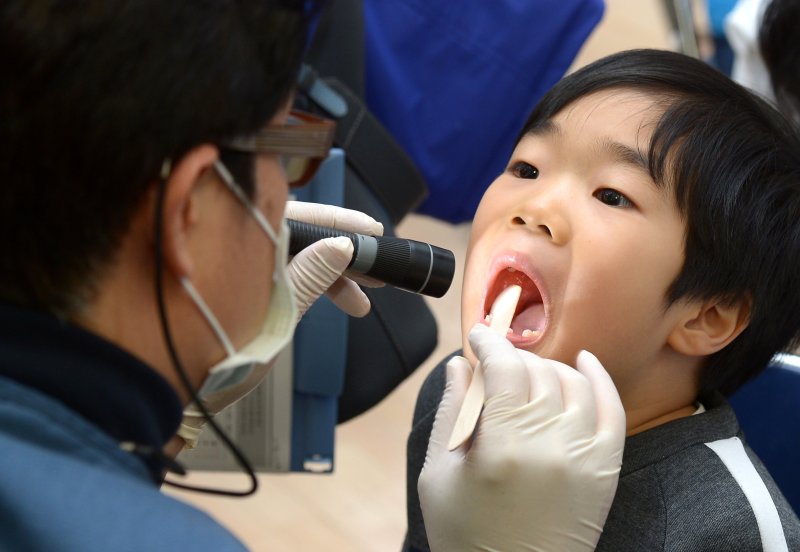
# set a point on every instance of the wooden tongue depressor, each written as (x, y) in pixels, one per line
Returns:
(502, 312)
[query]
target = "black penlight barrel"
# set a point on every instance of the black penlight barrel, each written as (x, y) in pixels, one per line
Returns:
(405, 264)
(303, 234)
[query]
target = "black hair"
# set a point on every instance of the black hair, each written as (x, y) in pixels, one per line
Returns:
(781, 53)
(732, 163)
(96, 95)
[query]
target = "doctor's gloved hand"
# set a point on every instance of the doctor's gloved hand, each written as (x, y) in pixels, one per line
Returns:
(541, 469)
(320, 267)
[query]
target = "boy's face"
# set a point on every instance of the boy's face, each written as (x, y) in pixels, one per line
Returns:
(578, 222)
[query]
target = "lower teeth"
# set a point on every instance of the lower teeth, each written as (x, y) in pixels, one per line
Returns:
(525, 333)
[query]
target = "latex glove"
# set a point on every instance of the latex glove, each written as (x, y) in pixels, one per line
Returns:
(541, 469)
(319, 268)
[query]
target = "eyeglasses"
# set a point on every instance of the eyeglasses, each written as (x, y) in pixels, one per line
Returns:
(303, 144)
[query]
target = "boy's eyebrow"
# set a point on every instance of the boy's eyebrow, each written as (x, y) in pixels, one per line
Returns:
(544, 129)
(616, 150)
(625, 154)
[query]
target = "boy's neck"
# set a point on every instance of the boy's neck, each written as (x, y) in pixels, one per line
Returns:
(663, 419)
(667, 391)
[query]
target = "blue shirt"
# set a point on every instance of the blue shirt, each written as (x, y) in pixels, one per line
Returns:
(67, 400)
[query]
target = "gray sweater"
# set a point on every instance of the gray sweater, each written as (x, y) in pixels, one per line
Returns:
(682, 487)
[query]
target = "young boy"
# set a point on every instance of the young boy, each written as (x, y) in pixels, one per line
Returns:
(651, 214)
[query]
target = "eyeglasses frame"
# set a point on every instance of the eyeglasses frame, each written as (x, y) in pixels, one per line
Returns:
(311, 138)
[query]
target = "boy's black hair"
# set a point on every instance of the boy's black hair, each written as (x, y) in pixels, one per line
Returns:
(780, 50)
(732, 163)
(96, 95)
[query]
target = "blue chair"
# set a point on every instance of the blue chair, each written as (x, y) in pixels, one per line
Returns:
(453, 82)
(768, 409)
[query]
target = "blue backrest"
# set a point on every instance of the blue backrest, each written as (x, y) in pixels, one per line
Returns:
(768, 409)
(453, 82)
(319, 350)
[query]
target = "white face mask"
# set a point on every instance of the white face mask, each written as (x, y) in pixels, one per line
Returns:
(278, 327)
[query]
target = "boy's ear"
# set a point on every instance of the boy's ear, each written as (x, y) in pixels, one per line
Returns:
(709, 326)
(181, 208)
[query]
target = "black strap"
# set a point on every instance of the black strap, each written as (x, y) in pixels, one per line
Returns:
(337, 48)
(334, 70)
(378, 159)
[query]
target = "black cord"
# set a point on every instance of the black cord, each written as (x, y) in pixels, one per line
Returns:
(162, 311)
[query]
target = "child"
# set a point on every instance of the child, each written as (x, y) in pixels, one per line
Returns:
(651, 214)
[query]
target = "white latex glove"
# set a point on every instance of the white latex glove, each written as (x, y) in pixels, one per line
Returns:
(319, 268)
(541, 470)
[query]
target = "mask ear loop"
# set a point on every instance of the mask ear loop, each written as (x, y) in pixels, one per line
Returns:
(162, 311)
(213, 323)
(227, 178)
(261, 220)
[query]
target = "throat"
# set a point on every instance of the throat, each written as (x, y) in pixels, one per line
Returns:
(643, 425)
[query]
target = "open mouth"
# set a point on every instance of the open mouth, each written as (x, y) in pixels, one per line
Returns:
(530, 320)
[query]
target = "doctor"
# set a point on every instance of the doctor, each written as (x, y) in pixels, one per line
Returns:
(147, 153)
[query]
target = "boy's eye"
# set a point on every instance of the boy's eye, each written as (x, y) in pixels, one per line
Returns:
(613, 198)
(520, 169)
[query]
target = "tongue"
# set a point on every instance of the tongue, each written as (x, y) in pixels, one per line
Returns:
(531, 318)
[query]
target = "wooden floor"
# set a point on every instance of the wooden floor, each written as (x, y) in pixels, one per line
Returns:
(361, 507)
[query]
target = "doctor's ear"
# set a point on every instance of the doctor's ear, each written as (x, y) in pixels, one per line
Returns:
(709, 326)
(181, 209)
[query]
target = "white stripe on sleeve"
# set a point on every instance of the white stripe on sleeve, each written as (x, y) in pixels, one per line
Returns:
(731, 452)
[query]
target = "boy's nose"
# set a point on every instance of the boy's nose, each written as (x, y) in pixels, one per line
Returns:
(544, 215)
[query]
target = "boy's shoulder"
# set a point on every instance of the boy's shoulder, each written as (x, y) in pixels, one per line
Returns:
(694, 484)
(675, 492)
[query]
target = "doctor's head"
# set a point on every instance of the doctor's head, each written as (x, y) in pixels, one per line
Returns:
(105, 101)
